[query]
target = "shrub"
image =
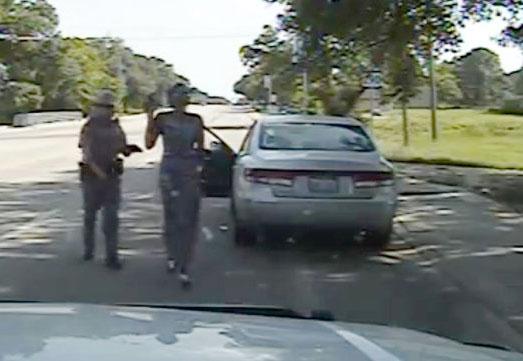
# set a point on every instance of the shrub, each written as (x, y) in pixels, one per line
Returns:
(19, 97)
(512, 106)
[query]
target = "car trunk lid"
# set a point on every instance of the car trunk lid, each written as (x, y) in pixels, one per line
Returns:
(321, 174)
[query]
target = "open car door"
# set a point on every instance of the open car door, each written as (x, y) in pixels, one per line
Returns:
(218, 163)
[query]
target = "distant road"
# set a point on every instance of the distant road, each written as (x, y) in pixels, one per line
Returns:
(44, 152)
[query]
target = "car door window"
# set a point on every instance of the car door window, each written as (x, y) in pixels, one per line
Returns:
(212, 140)
(246, 144)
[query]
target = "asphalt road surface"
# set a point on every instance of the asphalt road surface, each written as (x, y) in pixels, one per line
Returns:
(452, 268)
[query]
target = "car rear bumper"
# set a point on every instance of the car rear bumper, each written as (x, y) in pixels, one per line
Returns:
(364, 214)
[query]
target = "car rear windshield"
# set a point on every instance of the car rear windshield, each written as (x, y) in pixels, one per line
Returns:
(315, 136)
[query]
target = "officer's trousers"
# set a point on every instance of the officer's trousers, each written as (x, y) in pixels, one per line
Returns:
(101, 194)
(181, 203)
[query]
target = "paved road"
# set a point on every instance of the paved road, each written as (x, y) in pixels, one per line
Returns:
(427, 279)
(45, 152)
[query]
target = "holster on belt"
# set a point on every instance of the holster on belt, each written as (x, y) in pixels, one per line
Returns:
(116, 169)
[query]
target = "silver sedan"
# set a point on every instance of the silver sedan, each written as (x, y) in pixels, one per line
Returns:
(299, 172)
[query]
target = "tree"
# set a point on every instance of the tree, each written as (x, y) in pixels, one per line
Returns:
(19, 97)
(513, 35)
(515, 81)
(509, 10)
(481, 77)
(268, 55)
(4, 78)
(27, 62)
(403, 79)
(385, 26)
(447, 82)
(395, 22)
(87, 72)
(58, 73)
(387, 29)
(251, 86)
(518, 88)
(27, 17)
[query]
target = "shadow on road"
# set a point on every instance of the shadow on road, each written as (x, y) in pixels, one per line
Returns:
(40, 248)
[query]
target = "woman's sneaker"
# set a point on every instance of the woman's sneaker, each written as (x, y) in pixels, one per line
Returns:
(185, 279)
(113, 264)
(171, 266)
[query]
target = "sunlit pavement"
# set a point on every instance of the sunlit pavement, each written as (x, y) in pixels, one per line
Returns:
(452, 269)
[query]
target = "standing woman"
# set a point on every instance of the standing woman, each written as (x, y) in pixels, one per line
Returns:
(180, 170)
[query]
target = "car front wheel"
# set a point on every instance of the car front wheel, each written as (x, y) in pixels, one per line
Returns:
(380, 237)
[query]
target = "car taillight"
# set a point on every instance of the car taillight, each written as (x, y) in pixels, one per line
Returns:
(373, 179)
(272, 177)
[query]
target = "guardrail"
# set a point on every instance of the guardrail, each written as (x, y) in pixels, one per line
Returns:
(28, 119)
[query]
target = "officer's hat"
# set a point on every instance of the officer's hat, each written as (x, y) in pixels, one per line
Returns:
(105, 98)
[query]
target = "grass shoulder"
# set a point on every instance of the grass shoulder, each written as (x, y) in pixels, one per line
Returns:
(467, 137)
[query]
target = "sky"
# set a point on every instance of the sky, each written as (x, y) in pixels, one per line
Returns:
(201, 38)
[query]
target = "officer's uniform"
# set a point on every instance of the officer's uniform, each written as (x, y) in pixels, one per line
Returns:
(101, 140)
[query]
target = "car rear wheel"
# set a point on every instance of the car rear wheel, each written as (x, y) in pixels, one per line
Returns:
(242, 235)
(274, 236)
(380, 237)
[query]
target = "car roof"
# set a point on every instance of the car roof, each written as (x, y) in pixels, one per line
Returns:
(303, 118)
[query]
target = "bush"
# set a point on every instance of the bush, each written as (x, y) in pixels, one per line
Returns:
(512, 106)
(19, 97)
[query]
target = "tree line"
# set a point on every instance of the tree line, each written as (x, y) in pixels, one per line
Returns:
(340, 41)
(56, 73)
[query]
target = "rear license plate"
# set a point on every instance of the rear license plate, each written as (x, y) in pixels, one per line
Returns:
(323, 185)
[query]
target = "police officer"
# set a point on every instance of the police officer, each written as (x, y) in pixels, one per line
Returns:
(180, 169)
(102, 139)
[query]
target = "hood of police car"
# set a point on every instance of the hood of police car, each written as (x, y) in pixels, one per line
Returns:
(97, 332)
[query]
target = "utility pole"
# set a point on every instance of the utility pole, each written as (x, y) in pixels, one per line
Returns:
(305, 90)
(373, 84)
(433, 95)
(267, 83)
(372, 104)
(298, 57)
(269, 89)
(433, 92)
(406, 135)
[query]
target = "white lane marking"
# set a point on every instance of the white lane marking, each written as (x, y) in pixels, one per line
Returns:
(136, 316)
(5, 289)
(39, 310)
(207, 234)
(370, 349)
(384, 260)
(445, 195)
(18, 255)
(38, 221)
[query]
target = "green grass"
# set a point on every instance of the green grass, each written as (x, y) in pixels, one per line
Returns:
(467, 137)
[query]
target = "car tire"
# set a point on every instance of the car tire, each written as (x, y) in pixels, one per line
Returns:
(242, 235)
(380, 237)
(274, 237)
